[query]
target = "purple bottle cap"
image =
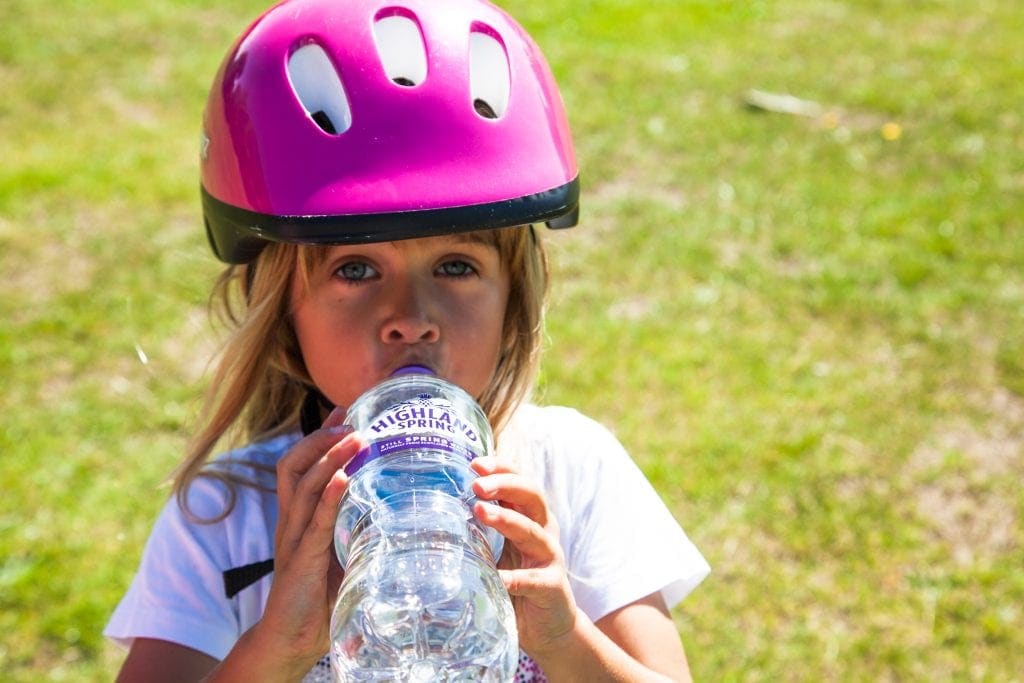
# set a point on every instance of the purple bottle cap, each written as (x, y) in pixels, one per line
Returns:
(412, 370)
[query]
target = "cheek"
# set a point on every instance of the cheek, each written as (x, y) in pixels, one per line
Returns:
(311, 338)
(484, 331)
(496, 327)
(321, 344)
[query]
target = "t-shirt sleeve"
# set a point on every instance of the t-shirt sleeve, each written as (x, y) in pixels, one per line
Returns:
(178, 593)
(622, 543)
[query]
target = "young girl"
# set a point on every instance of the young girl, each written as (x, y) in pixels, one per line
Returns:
(372, 170)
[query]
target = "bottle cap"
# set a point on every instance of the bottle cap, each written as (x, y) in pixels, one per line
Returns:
(412, 370)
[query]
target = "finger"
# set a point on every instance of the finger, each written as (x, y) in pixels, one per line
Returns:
(318, 533)
(295, 463)
(296, 514)
(310, 483)
(492, 464)
(310, 535)
(530, 583)
(516, 491)
(535, 544)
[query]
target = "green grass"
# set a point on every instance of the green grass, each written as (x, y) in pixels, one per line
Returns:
(810, 336)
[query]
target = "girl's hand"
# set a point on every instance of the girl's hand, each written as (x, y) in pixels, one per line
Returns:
(637, 642)
(532, 564)
(310, 483)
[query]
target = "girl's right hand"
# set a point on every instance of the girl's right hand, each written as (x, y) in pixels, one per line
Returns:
(294, 631)
(310, 484)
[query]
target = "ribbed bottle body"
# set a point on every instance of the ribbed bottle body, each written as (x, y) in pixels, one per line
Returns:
(422, 599)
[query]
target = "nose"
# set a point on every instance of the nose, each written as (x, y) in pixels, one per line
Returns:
(410, 319)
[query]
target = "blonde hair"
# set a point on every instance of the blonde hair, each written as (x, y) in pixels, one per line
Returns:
(261, 381)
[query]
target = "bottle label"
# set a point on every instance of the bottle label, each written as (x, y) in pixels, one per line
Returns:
(423, 422)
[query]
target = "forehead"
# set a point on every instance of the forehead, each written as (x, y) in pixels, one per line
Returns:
(484, 237)
(311, 255)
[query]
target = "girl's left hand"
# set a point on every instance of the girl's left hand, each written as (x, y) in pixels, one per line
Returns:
(532, 564)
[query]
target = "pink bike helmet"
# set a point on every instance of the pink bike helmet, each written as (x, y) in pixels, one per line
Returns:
(349, 121)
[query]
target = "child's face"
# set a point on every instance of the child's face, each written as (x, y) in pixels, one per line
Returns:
(371, 309)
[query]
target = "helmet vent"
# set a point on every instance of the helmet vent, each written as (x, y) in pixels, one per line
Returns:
(484, 109)
(489, 80)
(323, 119)
(400, 46)
(317, 85)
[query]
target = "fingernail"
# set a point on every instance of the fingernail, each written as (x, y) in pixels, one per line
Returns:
(340, 429)
(336, 417)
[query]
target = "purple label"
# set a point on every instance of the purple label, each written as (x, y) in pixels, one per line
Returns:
(408, 442)
(423, 422)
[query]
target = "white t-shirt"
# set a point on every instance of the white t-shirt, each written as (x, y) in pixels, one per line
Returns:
(620, 541)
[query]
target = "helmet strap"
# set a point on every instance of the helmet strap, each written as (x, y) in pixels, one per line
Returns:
(311, 414)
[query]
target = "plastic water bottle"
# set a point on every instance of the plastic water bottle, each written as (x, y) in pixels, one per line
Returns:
(421, 599)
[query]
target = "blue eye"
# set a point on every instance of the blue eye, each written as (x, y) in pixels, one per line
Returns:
(356, 270)
(455, 269)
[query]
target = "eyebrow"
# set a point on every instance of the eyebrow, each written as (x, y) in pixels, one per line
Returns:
(485, 237)
(482, 237)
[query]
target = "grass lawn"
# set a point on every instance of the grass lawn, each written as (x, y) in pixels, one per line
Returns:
(807, 327)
